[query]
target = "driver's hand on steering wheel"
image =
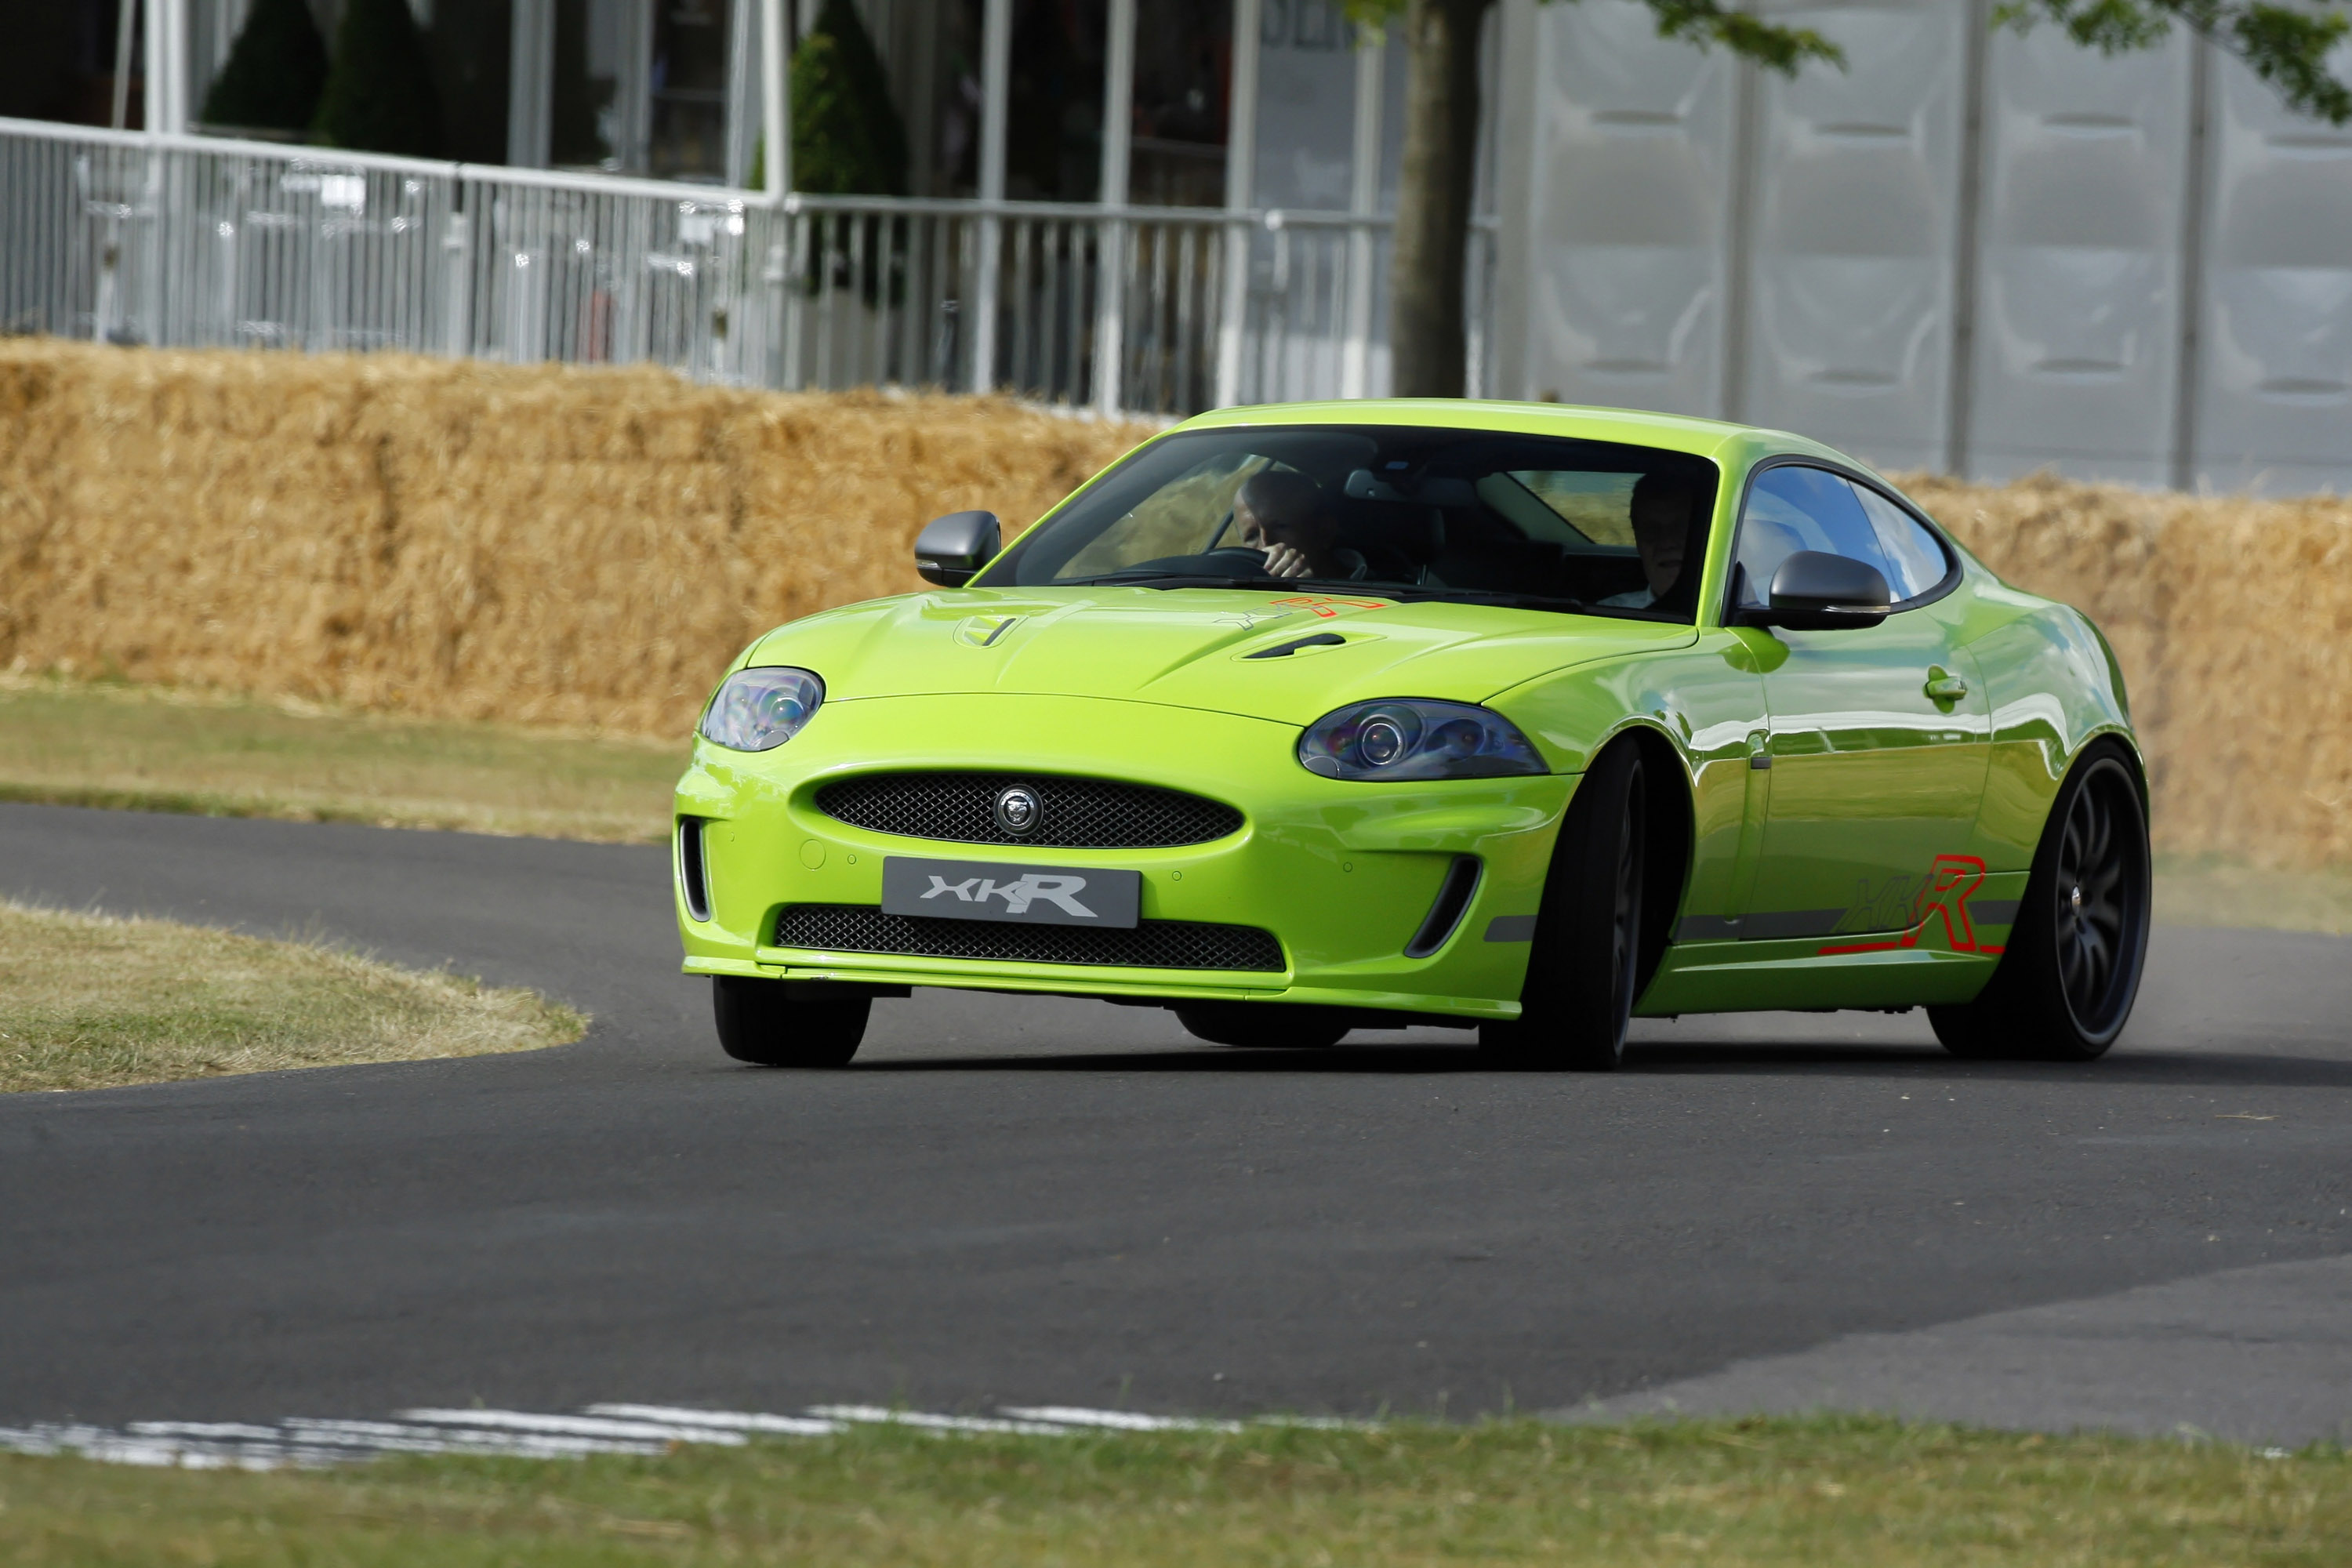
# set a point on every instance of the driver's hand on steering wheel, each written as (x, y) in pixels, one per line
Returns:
(1286, 561)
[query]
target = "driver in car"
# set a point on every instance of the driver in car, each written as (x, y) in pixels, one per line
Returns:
(1285, 514)
(1661, 511)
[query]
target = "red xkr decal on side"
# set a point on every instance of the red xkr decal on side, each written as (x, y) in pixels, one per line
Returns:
(1950, 881)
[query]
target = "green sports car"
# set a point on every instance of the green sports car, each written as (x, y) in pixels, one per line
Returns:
(1509, 717)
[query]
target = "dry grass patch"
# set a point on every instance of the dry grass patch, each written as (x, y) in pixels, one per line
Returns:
(2208, 890)
(92, 1002)
(1773, 1494)
(151, 748)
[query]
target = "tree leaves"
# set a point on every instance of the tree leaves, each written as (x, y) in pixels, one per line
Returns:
(2287, 46)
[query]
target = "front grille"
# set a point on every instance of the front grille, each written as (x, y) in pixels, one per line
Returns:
(1079, 813)
(1154, 944)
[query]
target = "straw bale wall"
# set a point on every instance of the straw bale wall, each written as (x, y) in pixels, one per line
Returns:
(2232, 620)
(587, 547)
(532, 543)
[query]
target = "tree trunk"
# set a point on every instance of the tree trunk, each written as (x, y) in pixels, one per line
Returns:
(1430, 262)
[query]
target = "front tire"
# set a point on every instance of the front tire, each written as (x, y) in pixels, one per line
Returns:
(2066, 985)
(1585, 966)
(786, 1024)
(1264, 1025)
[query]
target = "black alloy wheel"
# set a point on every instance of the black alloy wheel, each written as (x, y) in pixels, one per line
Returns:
(1584, 967)
(2092, 913)
(2066, 985)
(789, 1023)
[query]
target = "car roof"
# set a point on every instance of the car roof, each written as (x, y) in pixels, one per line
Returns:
(1711, 439)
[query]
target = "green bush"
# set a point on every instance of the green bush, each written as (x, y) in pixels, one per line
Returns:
(274, 73)
(379, 96)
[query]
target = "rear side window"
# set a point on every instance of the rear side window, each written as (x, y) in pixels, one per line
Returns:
(1793, 507)
(1917, 555)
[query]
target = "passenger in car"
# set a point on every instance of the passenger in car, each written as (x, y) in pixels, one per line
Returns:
(1285, 514)
(1661, 511)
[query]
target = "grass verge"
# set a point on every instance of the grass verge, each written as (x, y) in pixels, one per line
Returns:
(1812, 1492)
(93, 1002)
(147, 748)
(2206, 890)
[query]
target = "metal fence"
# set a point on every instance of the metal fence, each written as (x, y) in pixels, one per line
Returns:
(170, 240)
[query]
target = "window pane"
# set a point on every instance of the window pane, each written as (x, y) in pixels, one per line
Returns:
(1183, 55)
(1590, 507)
(1918, 559)
(1606, 528)
(1791, 508)
(1188, 514)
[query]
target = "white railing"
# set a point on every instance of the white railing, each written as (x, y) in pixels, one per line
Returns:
(176, 241)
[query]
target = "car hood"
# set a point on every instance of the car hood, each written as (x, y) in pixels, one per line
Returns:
(1193, 647)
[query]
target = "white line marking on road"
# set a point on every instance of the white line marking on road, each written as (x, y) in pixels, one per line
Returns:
(230, 1429)
(576, 1425)
(881, 1416)
(384, 1437)
(310, 1442)
(728, 1420)
(1116, 1420)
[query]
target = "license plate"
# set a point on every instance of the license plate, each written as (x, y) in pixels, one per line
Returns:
(1024, 895)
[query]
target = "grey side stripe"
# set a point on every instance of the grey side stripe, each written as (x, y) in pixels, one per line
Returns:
(1778, 925)
(1511, 927)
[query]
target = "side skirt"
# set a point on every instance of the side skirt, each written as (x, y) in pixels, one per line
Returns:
(1763, 976)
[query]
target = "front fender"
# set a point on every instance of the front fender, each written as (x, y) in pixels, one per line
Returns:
(1703, 700)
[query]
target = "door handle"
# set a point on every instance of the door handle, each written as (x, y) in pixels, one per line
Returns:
(1943, 687)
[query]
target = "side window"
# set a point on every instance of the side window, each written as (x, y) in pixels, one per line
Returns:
(1919, 560)
(1791, 508)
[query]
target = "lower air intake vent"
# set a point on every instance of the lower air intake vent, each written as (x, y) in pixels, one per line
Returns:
(1072, 814)
(1154, 944)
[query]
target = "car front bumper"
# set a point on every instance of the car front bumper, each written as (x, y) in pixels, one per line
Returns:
(1343, 874)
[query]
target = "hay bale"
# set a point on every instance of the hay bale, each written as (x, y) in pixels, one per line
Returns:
(588, 547)
(452, 538)
(2232, 619)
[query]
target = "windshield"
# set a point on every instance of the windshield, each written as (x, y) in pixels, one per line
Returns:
(1593, 527)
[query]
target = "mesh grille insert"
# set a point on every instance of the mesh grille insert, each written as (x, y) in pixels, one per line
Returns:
(1079, 813)
(1154, 944)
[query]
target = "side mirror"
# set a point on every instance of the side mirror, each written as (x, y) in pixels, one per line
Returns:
(1814, 591)
(952, 548)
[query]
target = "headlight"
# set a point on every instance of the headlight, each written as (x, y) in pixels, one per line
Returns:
(758, 710)
(1416, 738)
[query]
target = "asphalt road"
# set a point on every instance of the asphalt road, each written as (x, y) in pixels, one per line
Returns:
(1050, 1201)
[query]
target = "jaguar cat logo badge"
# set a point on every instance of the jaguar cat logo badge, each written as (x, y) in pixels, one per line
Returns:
(1018, 809)
(981, 631)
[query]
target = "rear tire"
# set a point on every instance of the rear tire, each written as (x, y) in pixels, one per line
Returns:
(788, 1024)
(1584, 968)
(1265, 1025)
(2066, 985)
